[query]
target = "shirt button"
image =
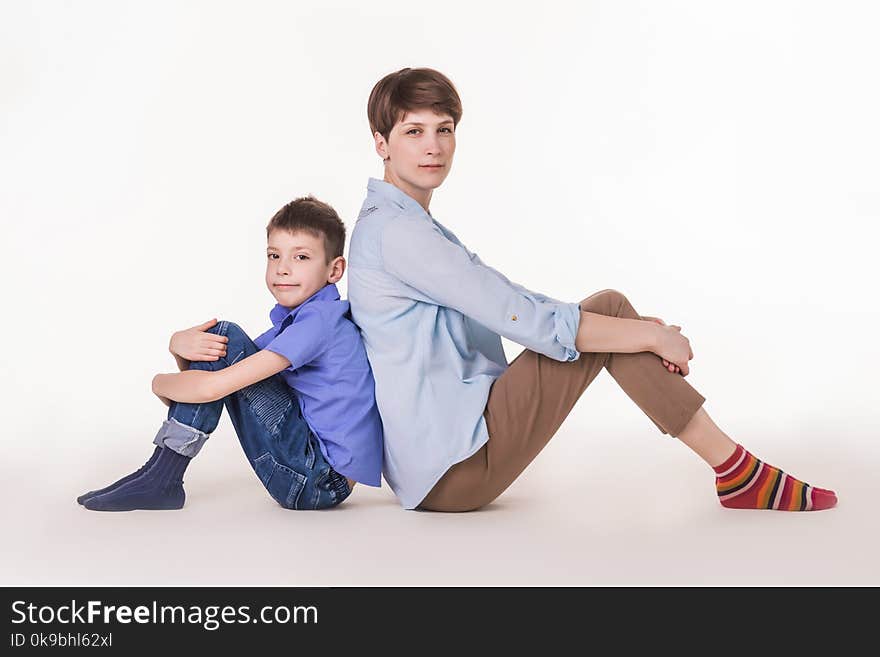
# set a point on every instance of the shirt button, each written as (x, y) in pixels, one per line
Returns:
(513, 317)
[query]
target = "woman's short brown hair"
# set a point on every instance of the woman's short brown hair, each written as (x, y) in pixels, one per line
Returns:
(315, 217)
(410, 89)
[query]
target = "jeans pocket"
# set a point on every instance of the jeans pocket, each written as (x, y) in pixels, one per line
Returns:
(284, 484)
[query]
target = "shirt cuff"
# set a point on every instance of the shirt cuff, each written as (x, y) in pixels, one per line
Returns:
(567, 317)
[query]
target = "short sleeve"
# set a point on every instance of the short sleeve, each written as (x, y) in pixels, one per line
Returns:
(306, 338)
(264, 338)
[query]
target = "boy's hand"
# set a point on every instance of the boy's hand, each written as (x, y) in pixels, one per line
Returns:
(672, 367)
(196, 344)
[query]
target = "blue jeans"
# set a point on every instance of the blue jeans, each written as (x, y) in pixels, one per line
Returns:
(278, 443)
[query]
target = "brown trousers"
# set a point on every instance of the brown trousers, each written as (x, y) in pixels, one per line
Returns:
(530, 400)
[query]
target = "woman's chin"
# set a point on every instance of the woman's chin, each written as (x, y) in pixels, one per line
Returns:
(429, 181)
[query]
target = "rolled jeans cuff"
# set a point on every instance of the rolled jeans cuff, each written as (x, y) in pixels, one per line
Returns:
(179, 437)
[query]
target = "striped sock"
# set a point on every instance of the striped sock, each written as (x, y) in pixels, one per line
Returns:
(746, 482)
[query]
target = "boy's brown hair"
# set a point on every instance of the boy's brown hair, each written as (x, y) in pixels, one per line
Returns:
(410, 89)
(315, 217)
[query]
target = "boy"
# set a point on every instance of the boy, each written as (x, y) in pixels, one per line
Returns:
(300, 396)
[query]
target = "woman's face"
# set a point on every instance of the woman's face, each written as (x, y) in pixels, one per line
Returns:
(418, 153)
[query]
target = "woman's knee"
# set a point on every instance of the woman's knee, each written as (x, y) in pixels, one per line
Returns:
(606, 302)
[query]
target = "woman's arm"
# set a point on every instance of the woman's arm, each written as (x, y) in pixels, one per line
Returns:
(442, 272)
(477, 260)
(595, 333)
(598, 332)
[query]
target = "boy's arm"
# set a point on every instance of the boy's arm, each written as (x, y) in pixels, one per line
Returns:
(182, 363)
(201, 386)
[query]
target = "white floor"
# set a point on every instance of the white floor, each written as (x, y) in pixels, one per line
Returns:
(601, 505)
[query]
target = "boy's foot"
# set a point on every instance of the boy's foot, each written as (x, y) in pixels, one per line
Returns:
(159, 488)
(745, 482)
(134, 495)
(116, 484)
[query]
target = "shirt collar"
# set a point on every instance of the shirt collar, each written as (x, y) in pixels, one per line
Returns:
(279, 313)
(394, 194)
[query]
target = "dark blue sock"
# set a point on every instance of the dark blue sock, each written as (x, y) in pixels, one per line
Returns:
(116, 484)
(160, 487)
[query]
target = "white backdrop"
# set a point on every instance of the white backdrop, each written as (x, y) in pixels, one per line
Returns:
(716, 162)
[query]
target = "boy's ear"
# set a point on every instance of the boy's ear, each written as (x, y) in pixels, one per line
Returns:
(338, 269)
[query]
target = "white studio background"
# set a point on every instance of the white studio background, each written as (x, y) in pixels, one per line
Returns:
(715, 161)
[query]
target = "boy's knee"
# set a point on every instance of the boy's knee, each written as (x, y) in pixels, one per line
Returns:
(227, 328)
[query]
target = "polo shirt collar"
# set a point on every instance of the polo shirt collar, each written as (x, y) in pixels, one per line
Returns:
(279, 313)
(394, 194)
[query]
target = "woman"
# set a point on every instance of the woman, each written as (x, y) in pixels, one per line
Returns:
(460, 423)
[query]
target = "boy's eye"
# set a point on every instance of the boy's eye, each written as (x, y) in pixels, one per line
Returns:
(271, 255)
(301, 255)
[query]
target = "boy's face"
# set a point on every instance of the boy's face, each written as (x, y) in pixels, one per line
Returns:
(421, 138)
(296, 267)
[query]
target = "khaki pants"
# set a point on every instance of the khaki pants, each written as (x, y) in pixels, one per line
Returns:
(530, 400)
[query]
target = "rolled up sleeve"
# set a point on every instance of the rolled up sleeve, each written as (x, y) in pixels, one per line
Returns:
(416, 252)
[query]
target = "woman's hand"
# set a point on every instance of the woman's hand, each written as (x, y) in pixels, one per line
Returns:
(196, 343)
(672, 367)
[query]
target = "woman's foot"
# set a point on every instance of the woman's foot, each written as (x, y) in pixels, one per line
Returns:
(745, 482)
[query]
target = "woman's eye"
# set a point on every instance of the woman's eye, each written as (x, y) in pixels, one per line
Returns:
(416, 130)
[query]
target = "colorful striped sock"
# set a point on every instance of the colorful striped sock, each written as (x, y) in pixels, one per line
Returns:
(746, 482)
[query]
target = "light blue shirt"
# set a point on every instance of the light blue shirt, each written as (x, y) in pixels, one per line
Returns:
(431, 314)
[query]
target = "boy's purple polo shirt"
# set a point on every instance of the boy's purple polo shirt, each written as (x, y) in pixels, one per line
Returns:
(331, 375)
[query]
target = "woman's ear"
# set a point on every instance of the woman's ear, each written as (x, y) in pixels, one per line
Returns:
(381, 145)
